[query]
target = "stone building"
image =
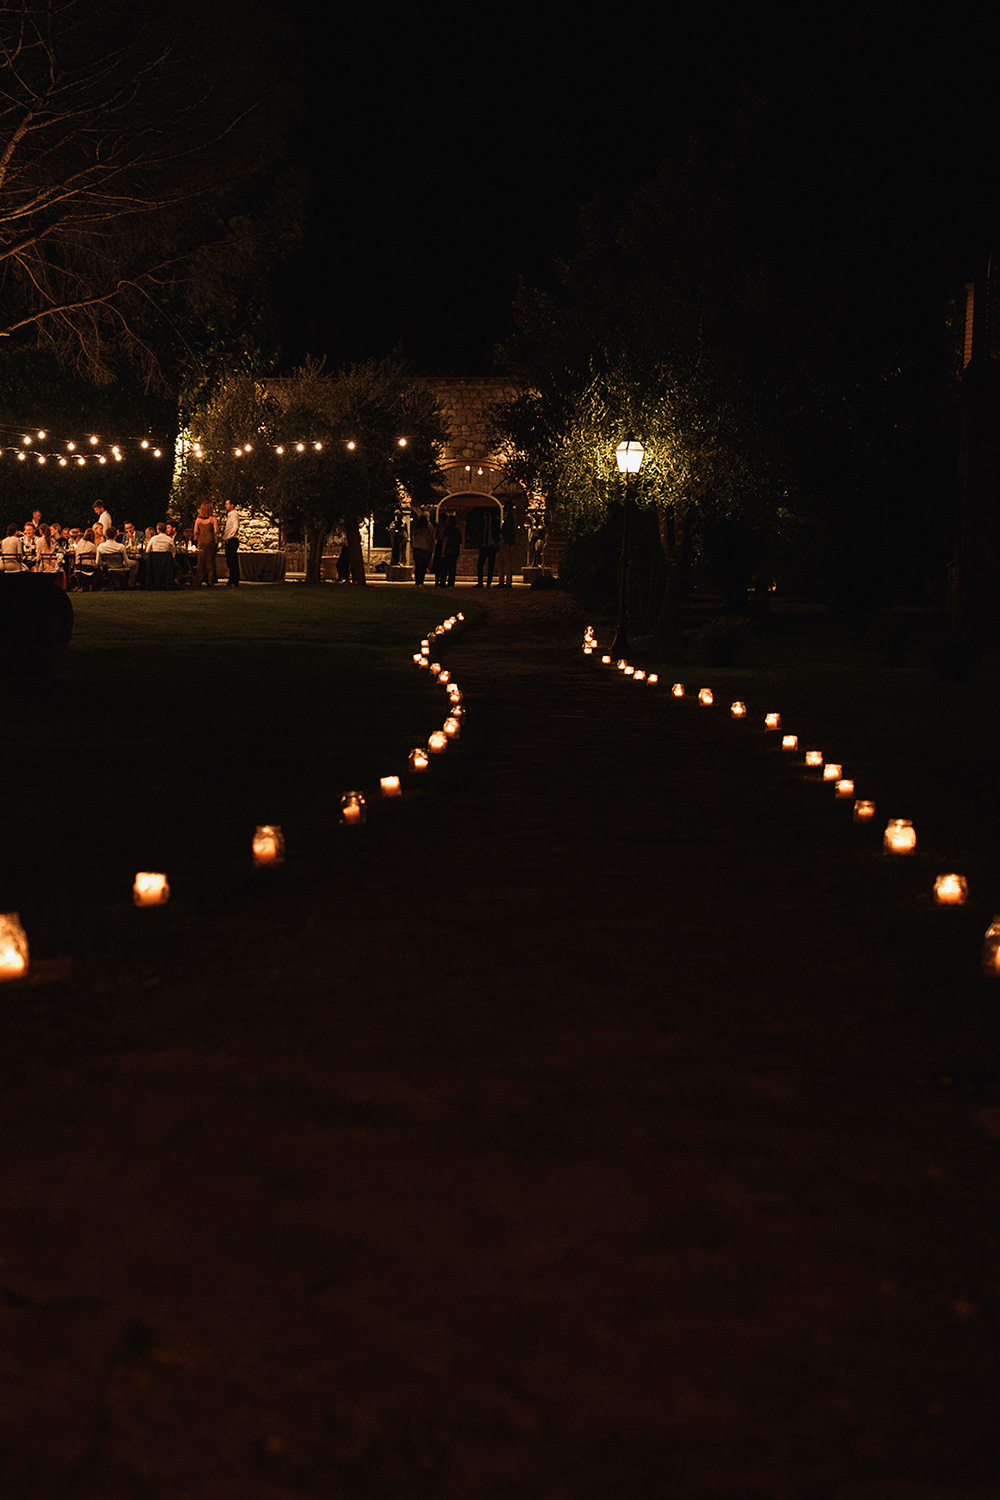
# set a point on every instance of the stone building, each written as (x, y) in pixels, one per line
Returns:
(474, 476)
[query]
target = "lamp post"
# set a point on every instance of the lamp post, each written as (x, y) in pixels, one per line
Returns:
(629, 455)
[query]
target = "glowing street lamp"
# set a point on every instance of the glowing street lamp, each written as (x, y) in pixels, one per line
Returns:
(629, 456)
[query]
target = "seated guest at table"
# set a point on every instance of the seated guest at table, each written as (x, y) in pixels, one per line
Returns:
(98, 531)
(159, 558)
(131, 542)
(46, 558)
(28, 545)
(85, 562)
(10, 552)
(111, 553)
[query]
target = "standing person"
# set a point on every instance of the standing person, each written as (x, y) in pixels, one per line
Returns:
(102, 514)
(488, 546)
(452, 546)
(206, 539)
(508, 543)
(422, 545)
(231, 544)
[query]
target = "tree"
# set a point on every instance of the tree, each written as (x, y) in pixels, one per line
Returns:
(121, 163)
(317, 450)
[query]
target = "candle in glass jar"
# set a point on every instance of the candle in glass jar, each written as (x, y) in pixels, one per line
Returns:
(678, 690)
(268, 845)
(814, 757)
(352, 808)
(772, 721)
(149, 889)
(832, 771)
(13, 946)
(705, 697)
(653, 679)
(864, 811)
(437, 742)
(991, 949)
(844, 787)
(418, 759)
(900, 837)
(640, 675)
(738, 710)
(951, 890)
(605, 661)
(451, 727)
(789, 742)
(390, 786)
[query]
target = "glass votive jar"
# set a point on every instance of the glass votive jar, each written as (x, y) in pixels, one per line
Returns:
(951, 890)
(13, 946)
(390, 786)
(814, 757)
(772, 721)
(352, 808)
(864, 811)
(419, 759)
(900, 836)
(150, 889)
(832, 770)
(737, 710)
(789, 742)
(705, 697)
(268, 845)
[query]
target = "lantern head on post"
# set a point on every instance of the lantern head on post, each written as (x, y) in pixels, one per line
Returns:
(629, 455)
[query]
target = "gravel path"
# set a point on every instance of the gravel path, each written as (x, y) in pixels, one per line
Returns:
(569, 1141)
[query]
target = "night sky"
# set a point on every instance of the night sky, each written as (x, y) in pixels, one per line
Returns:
(444, 164)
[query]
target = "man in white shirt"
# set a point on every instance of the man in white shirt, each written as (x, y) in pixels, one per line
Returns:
(231, 544)
(103, 516)
(111, 553)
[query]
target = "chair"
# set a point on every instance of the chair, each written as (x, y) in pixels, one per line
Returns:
(159, 570)
(12, 562)
(114, 570)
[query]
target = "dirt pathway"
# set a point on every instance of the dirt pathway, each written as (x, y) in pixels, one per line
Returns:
(568, 1141)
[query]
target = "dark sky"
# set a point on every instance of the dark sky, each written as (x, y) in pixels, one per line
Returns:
(444, 162)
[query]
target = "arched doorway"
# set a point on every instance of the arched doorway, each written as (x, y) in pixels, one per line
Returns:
(469, 508)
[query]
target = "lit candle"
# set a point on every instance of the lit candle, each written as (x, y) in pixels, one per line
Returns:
(705, 697)
(900, 837)
(459, 616)
(425, 644)
(149, 889)
(814, 757)
(621, 664)
(991, 949)
(605, 661)
(268, 845)
(422, 661)
(435, 668)
(844, 787)
(352, 808)
(772, 721)
(13, 946)
(864, 812)
(951, 890)
(640, 675)
(390, 786)
(738, 710)
(678, 690)
(418, 759)
(629, 671)
(444, 677)
(451, 727)
(588, 650)
(832, 771)
(653, 679)
(789, 742)
(437, 742)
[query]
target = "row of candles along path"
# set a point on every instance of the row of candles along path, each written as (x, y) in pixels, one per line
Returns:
(151, 888)
(900, 836)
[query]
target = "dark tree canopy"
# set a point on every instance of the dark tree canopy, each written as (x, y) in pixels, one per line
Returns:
(127, 137)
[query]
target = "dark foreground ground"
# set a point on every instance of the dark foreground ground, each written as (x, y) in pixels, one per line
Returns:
(585, 1134)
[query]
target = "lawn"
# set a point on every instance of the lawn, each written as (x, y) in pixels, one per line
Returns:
(177, 722)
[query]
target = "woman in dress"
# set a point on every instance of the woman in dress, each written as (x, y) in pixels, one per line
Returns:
(206, 539)
(47, 559)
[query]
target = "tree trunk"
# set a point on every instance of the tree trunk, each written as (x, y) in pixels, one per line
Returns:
(675, 556)
(355, 553)
(315, 537)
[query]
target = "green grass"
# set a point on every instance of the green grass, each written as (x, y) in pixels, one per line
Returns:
(177, 722)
